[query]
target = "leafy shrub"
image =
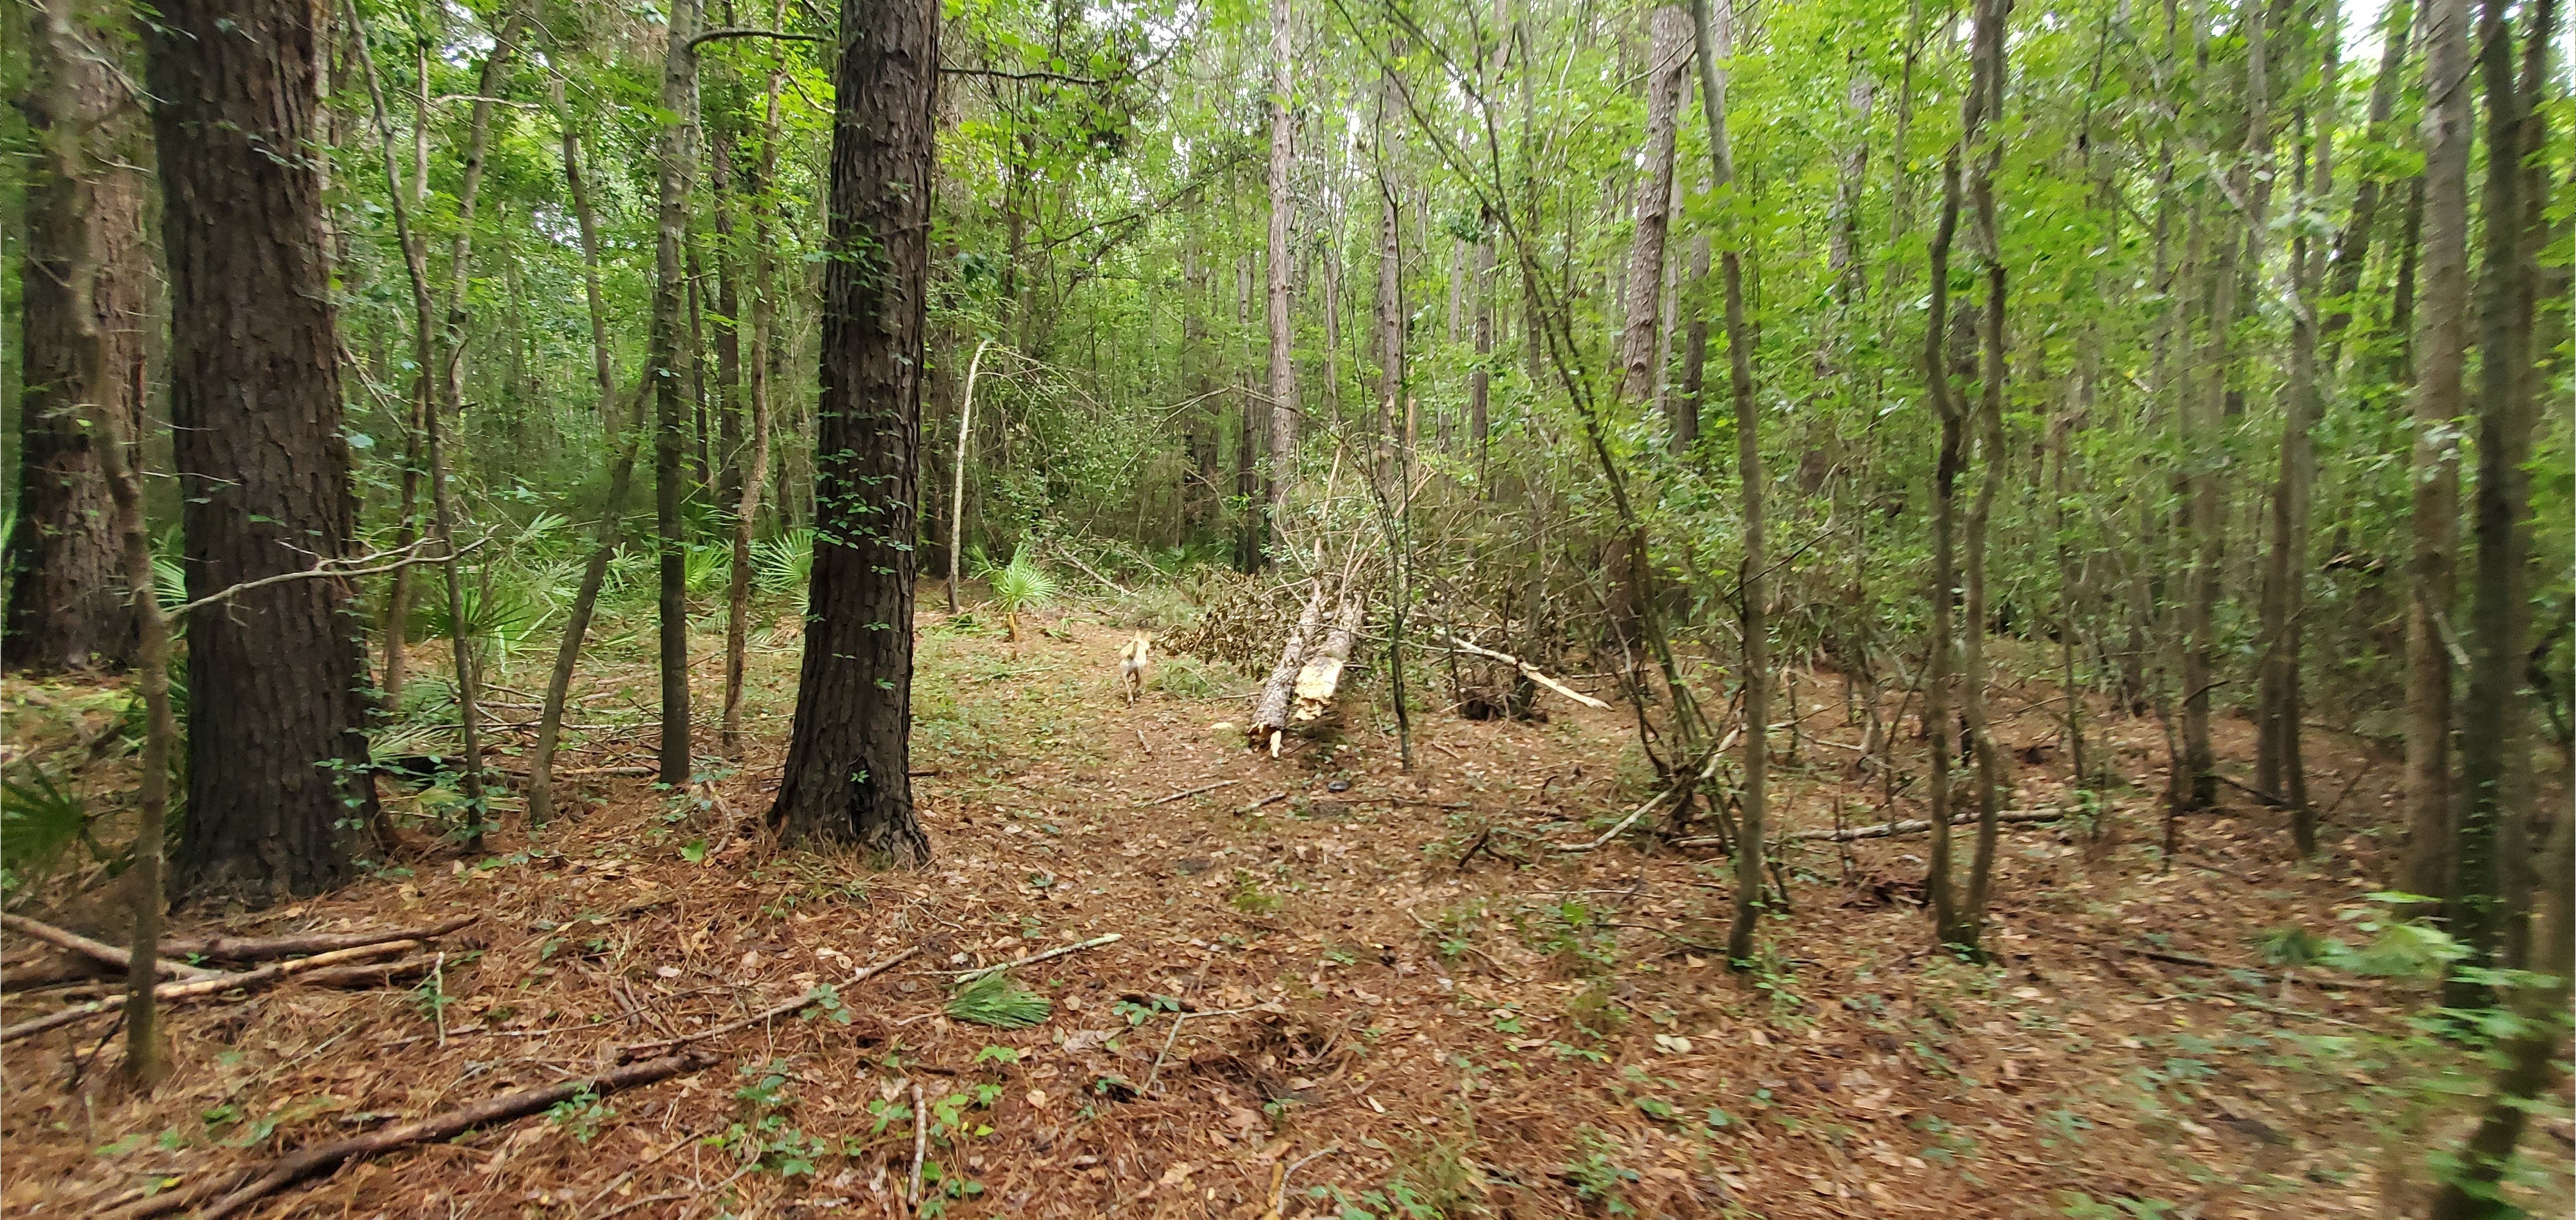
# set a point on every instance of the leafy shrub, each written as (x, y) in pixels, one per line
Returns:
(1019, 585)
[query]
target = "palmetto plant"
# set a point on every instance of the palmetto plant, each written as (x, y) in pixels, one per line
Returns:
(1019, 585)
(784, 565)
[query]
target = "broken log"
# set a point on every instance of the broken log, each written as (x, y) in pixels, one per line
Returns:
(1322, 673)
(314, 1162)
(104, 954)
(211, 986)
(1270, 711)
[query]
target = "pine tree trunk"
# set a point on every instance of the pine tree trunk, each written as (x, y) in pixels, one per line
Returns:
(67, 605)
(2440, 398)
(677, 147)
(276, 750)
(846, 777)
(1282, 384)
(1669, 60)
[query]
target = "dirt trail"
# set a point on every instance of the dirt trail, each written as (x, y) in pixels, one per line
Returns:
(1527, 1031)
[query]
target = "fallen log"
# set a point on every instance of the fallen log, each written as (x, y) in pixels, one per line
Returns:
(637, 1049)
(104, 954)
(1889, 830)
(202, 987)
(1321, 675)
(1270, 711)
(315, 1162)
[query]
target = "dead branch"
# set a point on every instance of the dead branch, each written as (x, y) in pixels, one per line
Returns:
(1888, 830)
(204, 987)
(639, 1049)
(255, 949)
(968, 976)
(1707, 771)
(920, 1148)
(1526, 670)
(106, 954)
(314, 1162)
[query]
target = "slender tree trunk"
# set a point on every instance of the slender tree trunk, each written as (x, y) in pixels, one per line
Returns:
(1685, 405)
(1942, 650)
(1714, 42)
(83, 250)
(2440, 398)
(846, 777)
(2493, 830)
(460, 262)
(957, 482)
(1390, 283)
(277, 751)
(2286, 578)
(678, 151)
(442, 519)
(81, 123)
(1282, 385)
(1669, 59)
(729, 390)
(594, 576)
(746, 472)
(2530, 1054)
(1480, 379)
(2352, 245)
(1987, 90)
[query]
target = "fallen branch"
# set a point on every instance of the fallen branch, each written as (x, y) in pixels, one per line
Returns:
(200, 987)
(105, 954)
(247, 949)
(920, 1149)
(1888, 830)
(1526, 669)
(1165, 800)
(968, 976)
(1708, 770)
(1272, 799)
(639, 1049)
(314, 1162)
(372, 974)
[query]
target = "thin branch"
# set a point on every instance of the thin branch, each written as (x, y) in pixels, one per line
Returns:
(747, 32)
(329, 568)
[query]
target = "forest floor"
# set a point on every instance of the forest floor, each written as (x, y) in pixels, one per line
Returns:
(1372, 1013)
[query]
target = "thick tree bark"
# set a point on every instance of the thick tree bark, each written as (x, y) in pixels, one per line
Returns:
(1668, 62)
(67, 603)
(678, 148)
(1282, 384)
(2441, 351)
(846, 778)
(276, 752)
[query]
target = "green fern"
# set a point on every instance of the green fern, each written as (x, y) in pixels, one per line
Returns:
(997, 1001)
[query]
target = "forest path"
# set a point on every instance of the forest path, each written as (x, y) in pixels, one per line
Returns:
(1528, 1031)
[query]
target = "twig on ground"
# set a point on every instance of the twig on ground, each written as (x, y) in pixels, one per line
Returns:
(1165, 800)
(968, 976)
(312, 1162)
(1272, 799)
(1708, 770)
(1175, 1036)
(639, 1049)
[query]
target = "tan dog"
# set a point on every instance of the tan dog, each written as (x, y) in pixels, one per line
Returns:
(1135, 665)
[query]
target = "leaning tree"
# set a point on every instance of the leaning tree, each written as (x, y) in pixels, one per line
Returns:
(847, 756)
